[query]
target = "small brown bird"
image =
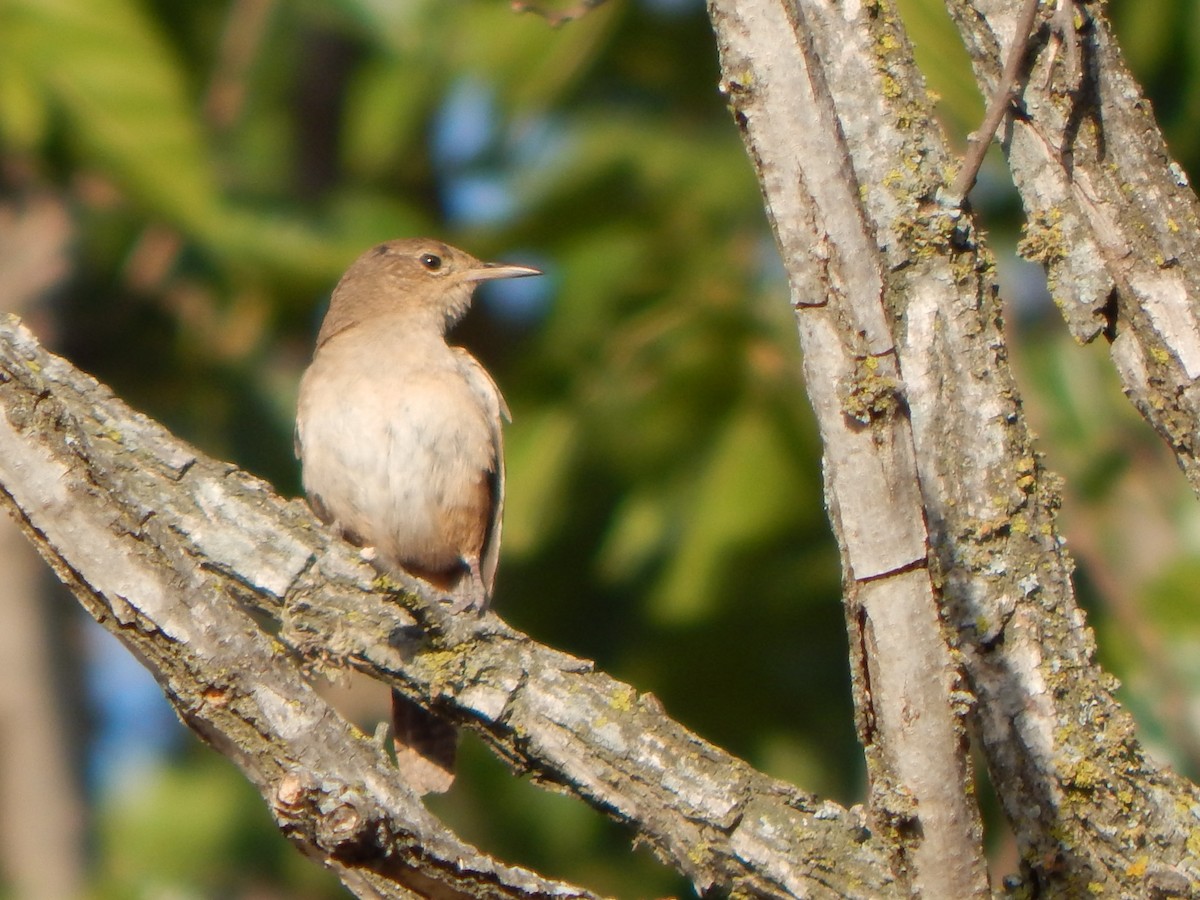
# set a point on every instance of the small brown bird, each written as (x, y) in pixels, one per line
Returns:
(399, 437)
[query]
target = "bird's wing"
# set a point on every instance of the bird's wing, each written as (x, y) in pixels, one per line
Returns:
(489, 395)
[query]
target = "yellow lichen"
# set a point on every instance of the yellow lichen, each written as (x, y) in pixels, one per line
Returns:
(1087, 776)
(384, 582)
(1044, 240)
(870, 395)
(623, 699)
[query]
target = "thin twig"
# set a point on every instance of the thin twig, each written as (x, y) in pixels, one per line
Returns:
(1062, 30)
(1006, 92)
(1064, 27)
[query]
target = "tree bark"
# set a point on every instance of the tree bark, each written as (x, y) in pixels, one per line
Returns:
(1061, 753)
(957, 588)
(171, 551)
(791, 103)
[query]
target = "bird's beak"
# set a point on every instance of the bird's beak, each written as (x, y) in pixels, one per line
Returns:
(492, 271)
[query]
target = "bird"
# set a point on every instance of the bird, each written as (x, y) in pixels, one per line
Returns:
(399, 437)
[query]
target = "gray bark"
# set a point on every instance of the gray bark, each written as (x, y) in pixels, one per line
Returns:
(1115, 222)
(796, 102)
(957, 588)
(169, 550)
(911, 338)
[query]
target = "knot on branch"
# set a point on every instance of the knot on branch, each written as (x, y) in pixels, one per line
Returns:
(337, 820)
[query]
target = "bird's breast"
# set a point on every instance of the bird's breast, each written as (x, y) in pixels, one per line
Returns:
(400, 452)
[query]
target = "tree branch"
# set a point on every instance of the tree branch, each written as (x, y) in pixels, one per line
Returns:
(1109, 214)
(163, 545)
(331, 789)
(784, 91)
(1061, 753)
(1007, 90)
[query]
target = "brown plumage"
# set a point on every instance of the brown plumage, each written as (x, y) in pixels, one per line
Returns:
(399, 436)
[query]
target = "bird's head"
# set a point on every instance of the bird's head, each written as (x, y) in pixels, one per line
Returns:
(421, 277)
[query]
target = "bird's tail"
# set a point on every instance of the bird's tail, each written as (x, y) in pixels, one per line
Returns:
(426, 746)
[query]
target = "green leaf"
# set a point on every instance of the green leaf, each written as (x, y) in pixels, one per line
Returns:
(23, 113)
(540, 451)
(124, 91)
(746, 493)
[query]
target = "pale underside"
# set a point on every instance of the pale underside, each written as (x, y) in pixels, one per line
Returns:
(401, 452)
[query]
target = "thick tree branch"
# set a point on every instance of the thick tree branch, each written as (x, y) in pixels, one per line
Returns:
(784, 92)
(1109, 214)
(331, 789)
(1061, 752)
(158, 541)
(1112, 219)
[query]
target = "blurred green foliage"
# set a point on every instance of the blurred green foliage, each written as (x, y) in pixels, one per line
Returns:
(192, 830)
(224, 162)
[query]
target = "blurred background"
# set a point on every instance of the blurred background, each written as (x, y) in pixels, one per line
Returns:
(181, 184)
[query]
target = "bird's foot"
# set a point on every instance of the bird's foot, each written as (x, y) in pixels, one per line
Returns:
(470, 594)
(468, 601)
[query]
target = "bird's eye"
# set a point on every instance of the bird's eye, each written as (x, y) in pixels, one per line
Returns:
(431, 261)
